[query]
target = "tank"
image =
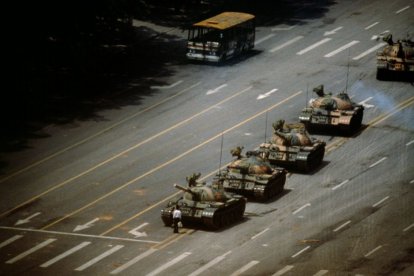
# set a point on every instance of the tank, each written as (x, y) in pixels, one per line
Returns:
(252, 176)
(292, 146)
(210, 206)
(395, 57)
(338, 112)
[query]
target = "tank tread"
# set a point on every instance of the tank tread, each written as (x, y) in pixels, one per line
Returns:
(226, 216)
(266, 192)
(313, 161)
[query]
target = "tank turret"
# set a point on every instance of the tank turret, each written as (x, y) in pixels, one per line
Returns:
(211, 205)
(337, 111)
(292, 146)
(252, 176)
(395, 57)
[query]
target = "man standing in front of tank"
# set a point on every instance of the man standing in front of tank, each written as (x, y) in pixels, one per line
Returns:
(176, 218)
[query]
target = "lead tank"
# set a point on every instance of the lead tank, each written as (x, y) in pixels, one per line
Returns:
(207, 205)
(395, 57)
(252, 176)
(292, 146)
(337, 111)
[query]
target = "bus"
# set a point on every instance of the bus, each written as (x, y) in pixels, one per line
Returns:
(221, 37)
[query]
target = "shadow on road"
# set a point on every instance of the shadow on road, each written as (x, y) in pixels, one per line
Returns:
(62, 76)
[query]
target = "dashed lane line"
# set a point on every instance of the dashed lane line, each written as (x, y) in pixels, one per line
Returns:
(370, 50)
(61, 184)
(264, 39)
(301, 251)
(313, 46)
(342, 226)
(172, 160)
(287, 43)
(370, 26)
(373, 251)
(401, 10)
(378, 162)
(381, 201)
(342, 48)
(321, 272)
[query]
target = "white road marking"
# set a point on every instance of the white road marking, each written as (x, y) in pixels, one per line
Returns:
(26, 220)
(409, 143)
(86, 225)
(370, 50)
(340, 49)
(260, 233)
(370, 26)
(412, 181)
(313, 46)
(267, 94)
(76, 234)
(210, 264)
(287, 43)
(342, 226)
(283, 28)
(376, 37)
(381, 201)
(372, 251)
(321, 272)
(300, 252)
(30, 251)
(379, 161)
(365, 104)
(98, 258)
(65, 254)
(133, 261)
(9, 241)
(408, 228)
(403, 9)
(212, 91)
(170, 263)
(138, 234)
(301, 208)
(340, 184)
(333, 31)
(166, 86)
(283, 270)
(244, 268)
(263, 39)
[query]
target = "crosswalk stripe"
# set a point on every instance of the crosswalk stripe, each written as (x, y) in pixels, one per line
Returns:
(133, 261)
(30, 251)
(9, 241)
(313, 46)
(244, 268)
(65, 254)
(170, 263)
(209, 264)
(98, 258)
(283, 270)
(340, 49)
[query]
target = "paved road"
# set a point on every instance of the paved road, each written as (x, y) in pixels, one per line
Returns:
(87, 199)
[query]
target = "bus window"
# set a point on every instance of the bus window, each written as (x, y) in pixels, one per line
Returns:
(220, 37)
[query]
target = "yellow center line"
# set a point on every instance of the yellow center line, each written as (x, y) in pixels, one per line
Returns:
(171, 160)
(123, 152)
(330, 147)
(96, 134)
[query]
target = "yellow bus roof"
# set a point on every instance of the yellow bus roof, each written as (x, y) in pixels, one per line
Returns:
(224, 20)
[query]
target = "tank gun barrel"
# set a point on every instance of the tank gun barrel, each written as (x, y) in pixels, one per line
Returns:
(188, 190)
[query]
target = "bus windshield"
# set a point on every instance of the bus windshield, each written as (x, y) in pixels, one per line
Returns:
(221, 37)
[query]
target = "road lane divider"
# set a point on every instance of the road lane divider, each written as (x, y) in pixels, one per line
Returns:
(61, 184)
(172, 160)
(98, 133)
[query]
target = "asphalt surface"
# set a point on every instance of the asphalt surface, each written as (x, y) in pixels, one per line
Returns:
(87, 198)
